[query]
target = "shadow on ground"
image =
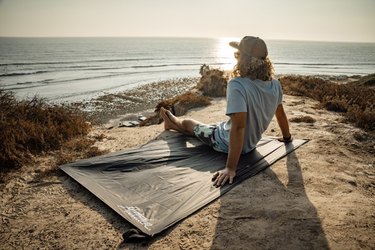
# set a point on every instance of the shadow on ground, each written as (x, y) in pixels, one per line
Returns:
(272, 216)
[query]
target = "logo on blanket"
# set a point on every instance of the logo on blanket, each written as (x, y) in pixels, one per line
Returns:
(135, 213)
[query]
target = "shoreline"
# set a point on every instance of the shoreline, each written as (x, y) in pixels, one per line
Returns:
(141, 99)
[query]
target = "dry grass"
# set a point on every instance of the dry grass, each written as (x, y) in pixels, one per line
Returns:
(77, 148)
(33, 127)
(368, 80)
(213, 82)
(355, 100)
(189, 100)
(178, 105)
(306, 119)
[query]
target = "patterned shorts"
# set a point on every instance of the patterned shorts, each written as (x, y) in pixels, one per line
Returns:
(205, 133)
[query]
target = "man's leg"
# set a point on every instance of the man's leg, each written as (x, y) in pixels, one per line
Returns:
(185, 126)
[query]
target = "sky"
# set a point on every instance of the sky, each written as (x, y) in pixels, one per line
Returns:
(314, 20)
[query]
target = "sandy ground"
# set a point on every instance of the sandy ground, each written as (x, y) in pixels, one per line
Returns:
(319, 197)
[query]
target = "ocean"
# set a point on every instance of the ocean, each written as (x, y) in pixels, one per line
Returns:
(72, 69)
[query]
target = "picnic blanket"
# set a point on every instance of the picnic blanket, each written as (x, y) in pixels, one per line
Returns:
(160, 183)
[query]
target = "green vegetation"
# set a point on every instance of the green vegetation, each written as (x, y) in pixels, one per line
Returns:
(356, 100)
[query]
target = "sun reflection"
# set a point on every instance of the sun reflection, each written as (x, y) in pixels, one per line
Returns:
(225, 53)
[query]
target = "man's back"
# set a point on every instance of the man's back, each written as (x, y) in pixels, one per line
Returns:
(259, 99)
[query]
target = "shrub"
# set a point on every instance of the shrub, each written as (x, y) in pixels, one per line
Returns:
(368, 80)
(188, 99)
(355, 100)
(213, 82)
(178, 105)
(307, 119)
(31, 127)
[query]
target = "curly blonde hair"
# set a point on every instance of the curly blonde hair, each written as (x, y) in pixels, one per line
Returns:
(254, 68)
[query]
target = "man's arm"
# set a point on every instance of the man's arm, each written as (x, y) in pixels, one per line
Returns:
(236, 139)
(282, 120)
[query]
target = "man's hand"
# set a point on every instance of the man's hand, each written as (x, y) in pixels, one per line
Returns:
(236, 138)
(221, 177)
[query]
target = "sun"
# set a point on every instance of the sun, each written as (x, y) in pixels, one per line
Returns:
(226, 52)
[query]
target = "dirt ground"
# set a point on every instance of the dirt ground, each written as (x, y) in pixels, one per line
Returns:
(319, 197)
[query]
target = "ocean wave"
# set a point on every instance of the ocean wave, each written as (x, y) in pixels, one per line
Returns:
(164, 65)
(80, 61)
(105, 68)
(32, 84)
(23, 73)
(140, 59)
(21, 83)
(325, 64)
(172, 64)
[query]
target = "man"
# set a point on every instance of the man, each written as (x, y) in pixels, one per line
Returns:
(253, 98)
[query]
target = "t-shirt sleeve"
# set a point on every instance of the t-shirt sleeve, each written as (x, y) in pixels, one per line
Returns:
(236, 101)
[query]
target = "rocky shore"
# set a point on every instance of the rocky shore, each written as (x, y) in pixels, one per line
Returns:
(141, 100)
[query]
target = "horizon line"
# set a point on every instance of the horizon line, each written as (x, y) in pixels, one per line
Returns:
(191, 37)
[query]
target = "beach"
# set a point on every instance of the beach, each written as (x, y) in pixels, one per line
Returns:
(319, 197)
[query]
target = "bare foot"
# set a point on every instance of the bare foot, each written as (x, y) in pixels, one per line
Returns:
(167, 122)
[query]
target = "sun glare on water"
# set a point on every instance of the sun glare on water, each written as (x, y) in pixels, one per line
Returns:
(226, 52)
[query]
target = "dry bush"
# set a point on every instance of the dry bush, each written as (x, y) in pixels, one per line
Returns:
(368, 80)
(188, 100)
(213, 82)
(312, 87)
(355, 100)
(33, 127)
(307, 119)
(77, 148)
(178, 105)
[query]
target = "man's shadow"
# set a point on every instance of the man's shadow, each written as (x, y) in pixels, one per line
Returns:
(271, 216)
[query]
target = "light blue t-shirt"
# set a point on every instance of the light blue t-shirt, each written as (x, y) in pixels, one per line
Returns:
(259, 99)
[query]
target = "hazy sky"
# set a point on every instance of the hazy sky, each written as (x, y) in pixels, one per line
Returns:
(322, 20)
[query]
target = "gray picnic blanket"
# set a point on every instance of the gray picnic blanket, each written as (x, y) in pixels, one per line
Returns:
(158, 184)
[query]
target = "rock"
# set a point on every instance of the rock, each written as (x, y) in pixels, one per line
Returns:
(141, 118)
(128, 124)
